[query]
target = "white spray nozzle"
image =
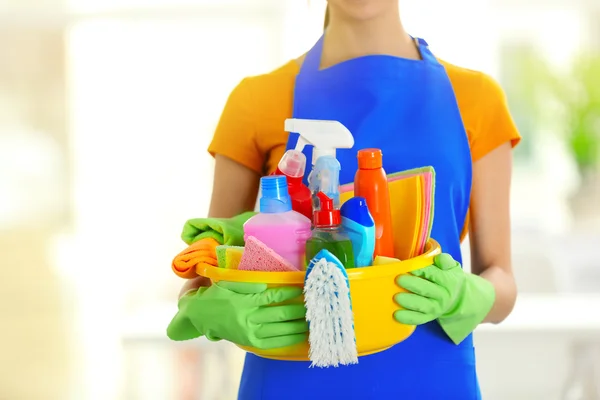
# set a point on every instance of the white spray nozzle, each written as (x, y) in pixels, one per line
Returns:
(324, 136)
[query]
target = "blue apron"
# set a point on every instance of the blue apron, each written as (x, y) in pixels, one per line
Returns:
(408, 109)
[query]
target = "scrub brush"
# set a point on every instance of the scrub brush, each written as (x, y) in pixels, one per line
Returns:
(329, 313)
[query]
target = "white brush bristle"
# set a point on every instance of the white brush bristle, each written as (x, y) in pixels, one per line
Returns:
(329, 313)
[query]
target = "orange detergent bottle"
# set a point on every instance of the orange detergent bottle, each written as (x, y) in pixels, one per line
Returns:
(371, 183)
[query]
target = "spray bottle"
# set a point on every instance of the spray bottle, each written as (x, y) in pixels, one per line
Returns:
(292, 165)
(327, 234)
(325, 137)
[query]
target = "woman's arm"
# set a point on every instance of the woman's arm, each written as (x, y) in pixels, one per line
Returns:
(235, 188)
(489, 230)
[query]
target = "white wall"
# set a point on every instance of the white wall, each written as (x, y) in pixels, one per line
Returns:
(146, 94)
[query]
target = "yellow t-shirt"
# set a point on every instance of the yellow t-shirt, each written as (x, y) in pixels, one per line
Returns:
(251, 133)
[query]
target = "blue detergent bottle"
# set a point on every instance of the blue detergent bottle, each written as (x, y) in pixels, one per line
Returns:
(359, 225)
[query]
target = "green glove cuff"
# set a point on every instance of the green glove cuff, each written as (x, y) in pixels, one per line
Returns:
(476, 301)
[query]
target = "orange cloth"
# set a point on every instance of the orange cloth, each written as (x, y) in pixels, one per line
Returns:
(251, 133)
(201, 252)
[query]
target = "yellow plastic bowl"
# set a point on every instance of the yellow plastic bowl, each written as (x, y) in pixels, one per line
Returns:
(372, 290)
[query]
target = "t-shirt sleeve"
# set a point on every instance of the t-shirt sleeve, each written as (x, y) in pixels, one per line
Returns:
(496, 125)
(235, 136)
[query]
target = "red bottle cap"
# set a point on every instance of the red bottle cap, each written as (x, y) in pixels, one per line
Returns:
(291, 180)
(370, 159)
(326, 215)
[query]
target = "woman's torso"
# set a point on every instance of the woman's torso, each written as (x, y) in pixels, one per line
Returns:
(272, 97)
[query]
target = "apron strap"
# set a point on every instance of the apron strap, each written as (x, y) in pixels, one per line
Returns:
(312, 61)
(426, 54)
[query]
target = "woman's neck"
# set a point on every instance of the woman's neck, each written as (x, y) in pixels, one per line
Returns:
(385, 35)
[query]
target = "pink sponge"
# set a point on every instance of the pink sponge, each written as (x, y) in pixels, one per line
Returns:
(259, 257)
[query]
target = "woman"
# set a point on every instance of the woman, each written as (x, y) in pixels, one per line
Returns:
(390, 91)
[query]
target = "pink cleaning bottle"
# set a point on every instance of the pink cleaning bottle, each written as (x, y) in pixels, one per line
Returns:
(279, 227)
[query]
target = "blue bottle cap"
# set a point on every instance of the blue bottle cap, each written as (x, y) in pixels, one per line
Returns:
(274, 195)
(356, 210)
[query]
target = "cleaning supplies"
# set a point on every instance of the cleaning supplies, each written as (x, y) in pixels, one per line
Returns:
(325, 178)
(221, 256)
(412, 194)
(371, 183)
(426, 178)
(329, 313)
(381, 260)
(233, 257)
(280, 228)
(358, 223)
(227, 231)
(325, 136)
(429, 205)
(258, 257)
(201, 252)
(229, 256)
(328, 235)
(292, 166)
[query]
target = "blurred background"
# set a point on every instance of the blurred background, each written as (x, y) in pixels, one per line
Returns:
(106, 109)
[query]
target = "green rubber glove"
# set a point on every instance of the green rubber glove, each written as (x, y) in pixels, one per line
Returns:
(229, 231)
(247, 314)
(458, 300)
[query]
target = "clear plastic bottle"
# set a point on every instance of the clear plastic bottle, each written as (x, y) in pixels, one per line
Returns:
(327, 234)
(325, 177)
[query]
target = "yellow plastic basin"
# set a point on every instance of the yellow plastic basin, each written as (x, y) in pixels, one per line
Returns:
(372, 290)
